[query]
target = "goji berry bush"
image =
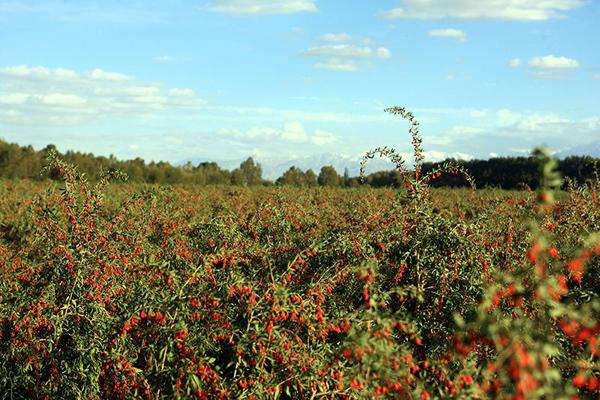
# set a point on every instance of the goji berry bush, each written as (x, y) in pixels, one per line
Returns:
(128, 291)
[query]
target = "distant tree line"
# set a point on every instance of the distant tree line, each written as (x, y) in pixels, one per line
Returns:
(24, 162)
(500, 172)
(516, 172)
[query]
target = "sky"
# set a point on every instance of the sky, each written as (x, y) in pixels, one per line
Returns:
(226, 79)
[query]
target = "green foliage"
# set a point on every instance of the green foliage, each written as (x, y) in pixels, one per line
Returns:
(248, 174)
(329, 177)
(121, 291)
(295, 177)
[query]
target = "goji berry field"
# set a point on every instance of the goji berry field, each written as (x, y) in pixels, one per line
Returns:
(146, 292)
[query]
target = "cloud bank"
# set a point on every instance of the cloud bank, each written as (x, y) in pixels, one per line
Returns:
(508, 10)
(246, 8)
(39, 95)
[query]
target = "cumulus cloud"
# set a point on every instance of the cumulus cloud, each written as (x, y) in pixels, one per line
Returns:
(554, 129)
(509, 10)
(483, 123)
(249, 134)
(534, 126)
(336, 64)
(436, 155)
(291, 132)
(457, 34)
(321, 138)
(14, 98)
(536, 123)
(181, 92)
(61, 99)
(505, 117)
(341, 51)
(345, 57)
(439, 140)
(553, 62)
(515, 62)
(98, 74)
(39, 95)
(23, 71)
(510, 130)
(336, 37)
(262, 7)
(551, 66)
(383, 53)
(294, 132)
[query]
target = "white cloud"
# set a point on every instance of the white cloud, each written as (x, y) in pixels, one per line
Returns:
(291, 132)
(508, 127)
(66, 74)
(336, 37)
(341, 51)
(262, 7)
(154, 101)
(344, 57)
(62, 99)
(142, 91)
(510, 10)
(24, 71)
(321, 138)
(436, 156)
(127, 91)
(384, 53)
(515, 62)
(539, 122)
(553, 129)
(229, 132)
(455, 133)
(551, 66)
(250, 134)
(527, 126)
(542, 126)
(596, 76)
(335, 64)
(438, 140)
(164, 59)
(493, 155)
(294, 132)
(553, 62)
(107, 76)
(449, 33)
(477, 113)
(258, 133)
(14, 98)
(43, 96)
(506, 117)
(181, 92)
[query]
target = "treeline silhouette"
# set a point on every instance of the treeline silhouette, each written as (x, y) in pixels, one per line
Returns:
(24, 162)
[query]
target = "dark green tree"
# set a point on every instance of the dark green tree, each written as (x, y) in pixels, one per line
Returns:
(293, 177)
(311, 178)
(250, 173)
(329, 177)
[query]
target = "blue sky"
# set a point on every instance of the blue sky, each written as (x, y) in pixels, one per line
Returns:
(227, 79)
